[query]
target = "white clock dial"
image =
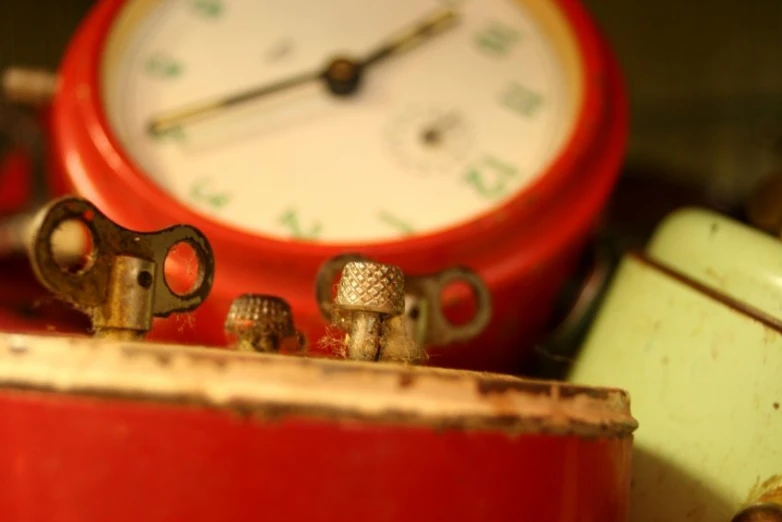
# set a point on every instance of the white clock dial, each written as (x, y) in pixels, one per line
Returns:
(436, 136)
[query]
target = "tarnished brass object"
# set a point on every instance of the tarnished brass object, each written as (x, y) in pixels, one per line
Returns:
(765, 512)
(262, 323)
(766, 507)
(764, 208)
(28, 86)
(421, 320)
(370, 296)
(122, 284)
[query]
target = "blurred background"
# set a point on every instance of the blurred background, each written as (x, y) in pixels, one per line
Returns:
(705, 84)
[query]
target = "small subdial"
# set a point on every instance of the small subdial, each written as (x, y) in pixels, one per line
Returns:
(429, 139)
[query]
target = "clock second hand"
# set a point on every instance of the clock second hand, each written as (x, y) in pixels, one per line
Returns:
(342, 75)
(433, 134)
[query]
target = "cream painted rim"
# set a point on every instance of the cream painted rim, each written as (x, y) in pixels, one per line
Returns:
(265, 385)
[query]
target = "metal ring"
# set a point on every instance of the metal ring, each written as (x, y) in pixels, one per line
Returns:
(582, 308)
(442, 331)
(42, 255)
(202, 257)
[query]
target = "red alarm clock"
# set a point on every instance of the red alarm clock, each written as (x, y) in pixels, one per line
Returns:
(424, 134)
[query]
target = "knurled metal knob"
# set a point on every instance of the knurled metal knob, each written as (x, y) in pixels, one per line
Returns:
(368, 296)
(371, 287)
(408, 312)
(260, 322)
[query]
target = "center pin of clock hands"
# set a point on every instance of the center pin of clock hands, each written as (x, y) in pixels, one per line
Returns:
(342, 76)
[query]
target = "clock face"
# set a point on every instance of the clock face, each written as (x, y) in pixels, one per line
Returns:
(437, 135)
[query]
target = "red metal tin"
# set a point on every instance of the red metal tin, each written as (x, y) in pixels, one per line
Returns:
(125, 432)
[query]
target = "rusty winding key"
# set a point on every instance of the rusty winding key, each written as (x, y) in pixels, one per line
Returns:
(400, 315)
(122, 285)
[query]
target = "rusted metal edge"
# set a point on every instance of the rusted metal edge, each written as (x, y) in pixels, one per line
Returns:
(743, 308)
(271, 387)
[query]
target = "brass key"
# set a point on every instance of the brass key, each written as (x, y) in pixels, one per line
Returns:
(421, 319)
(122, 286)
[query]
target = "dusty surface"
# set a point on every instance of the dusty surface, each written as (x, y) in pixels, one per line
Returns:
(274, 386)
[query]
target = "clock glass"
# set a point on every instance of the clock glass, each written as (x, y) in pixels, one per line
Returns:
(436, 135)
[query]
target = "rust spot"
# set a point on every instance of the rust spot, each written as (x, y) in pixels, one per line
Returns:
(217, 362)
(491, 387)
(776, 405)
(770, 490)
(664, 360)
(406, 380)
(497, 386)
(164, 359)
(594, 393)
(18, 349)
(271, 411)
(774, 494)
(714, 229)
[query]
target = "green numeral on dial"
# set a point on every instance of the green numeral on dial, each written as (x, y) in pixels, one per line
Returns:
(290, 220)
(201, 192)
(491, 178)
(522, 100)
(161, 65)
(401, 225)
(208, 8)
(496, 39)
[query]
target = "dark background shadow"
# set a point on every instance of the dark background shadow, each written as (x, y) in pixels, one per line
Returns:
(661, 487)
(704, 79)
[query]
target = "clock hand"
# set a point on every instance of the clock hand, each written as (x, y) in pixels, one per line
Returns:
(435, 131)
(342, 75)
(430, 26)
(168, 121)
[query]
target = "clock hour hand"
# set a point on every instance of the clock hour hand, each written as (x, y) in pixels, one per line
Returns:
(342, 75)
(190, 114)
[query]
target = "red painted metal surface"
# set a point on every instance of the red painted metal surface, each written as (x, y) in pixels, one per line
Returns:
(14, 181)
(72, 459)
(524, 251)
(94, 431)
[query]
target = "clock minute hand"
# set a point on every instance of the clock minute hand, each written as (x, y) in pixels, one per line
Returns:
(432, 25)
(342, 75)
